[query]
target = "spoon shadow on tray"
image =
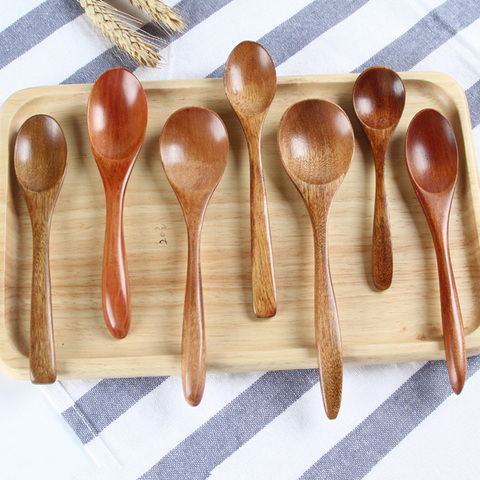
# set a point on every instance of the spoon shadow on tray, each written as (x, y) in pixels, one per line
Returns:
(316, 143)
(193, 151)
(431, 155)
(40, 161)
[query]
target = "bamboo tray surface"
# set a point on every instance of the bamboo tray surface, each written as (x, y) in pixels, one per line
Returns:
(400, 324)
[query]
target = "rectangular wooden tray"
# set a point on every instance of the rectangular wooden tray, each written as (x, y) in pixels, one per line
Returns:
(400, 324)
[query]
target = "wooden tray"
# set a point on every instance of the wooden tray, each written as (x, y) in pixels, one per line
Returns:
(400, 324)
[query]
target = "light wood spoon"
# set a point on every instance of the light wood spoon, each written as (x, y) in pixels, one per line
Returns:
(432, 162)
(316, 144)
(117, 121)
(250, 83)
(379, 100)
(193, 151)
(40, 160)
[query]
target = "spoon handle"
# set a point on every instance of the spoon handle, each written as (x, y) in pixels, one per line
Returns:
(42, 350)
(193, 335)
(382, 256)
(263, 277)
(327, 328)
(452, 323)
(115, 284)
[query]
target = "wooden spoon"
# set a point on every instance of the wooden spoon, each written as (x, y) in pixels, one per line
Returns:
(379, 99)
(40, 160)
(193, 151)
(117, 121)
(316, 144)
(250, 82)
(432, 162)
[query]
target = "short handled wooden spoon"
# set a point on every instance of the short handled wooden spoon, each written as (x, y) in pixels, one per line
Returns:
(250, 83)
(117, 121)
(193, 151)
(432, 162)
(379, 100)
(40, 164)
(316, 144)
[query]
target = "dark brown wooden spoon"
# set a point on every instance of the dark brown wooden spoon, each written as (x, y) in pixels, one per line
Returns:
(379, 100)
(250, 83)
(316, 143)
(193, 151)
(117, 121)
(432, 162)
(40, 160)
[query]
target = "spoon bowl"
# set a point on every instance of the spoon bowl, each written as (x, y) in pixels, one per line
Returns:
(379, 100)
(193, 151)
(250, 82)
(432, 162)
(316, 143)
(117, 122)
(250, 79)
(40, 161)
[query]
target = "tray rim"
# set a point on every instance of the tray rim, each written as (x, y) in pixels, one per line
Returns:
(16, 365)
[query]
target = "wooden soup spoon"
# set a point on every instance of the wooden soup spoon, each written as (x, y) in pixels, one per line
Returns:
(193, 151)
(117, 121)
(40, 161)
(432, 162)
(379, 100)
(250, 83)
(316, 144)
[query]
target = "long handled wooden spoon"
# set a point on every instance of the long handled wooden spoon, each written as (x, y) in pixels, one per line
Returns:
(193, 151)
(117, 121)
(379, 99)
(40, 166)
(316, 144)
(250, 83)
(432, 162)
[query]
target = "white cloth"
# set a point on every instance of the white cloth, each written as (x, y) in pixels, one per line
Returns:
(397, 421)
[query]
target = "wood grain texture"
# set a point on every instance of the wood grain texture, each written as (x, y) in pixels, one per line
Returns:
(432, 161)
(117, 121)
(375, 328)
(250, 83)
(40, 166)
(193, 151)
(316, 144)
(379, 100)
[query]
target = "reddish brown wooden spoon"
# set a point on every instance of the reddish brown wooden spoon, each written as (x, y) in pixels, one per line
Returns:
(117, 121)
(40, 166)
(316, 144)
(250, 82)
(432, 162)
(193, 151)
(379, 99)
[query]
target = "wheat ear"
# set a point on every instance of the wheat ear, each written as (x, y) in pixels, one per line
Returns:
(167, 17)
(109, 21)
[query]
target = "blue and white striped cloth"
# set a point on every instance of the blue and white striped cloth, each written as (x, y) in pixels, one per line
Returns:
(396, 421)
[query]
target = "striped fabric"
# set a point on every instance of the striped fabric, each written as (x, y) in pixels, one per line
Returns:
(397, 421)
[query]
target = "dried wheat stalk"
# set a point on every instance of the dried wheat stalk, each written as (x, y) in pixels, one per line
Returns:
(165, 16)
(120, 29)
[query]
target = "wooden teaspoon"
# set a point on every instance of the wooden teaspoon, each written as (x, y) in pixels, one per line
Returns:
(432, 162)
(193, 151)
(40, 160)
(250, 83)
(117, 121)
(379, 100)
(316, 144)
